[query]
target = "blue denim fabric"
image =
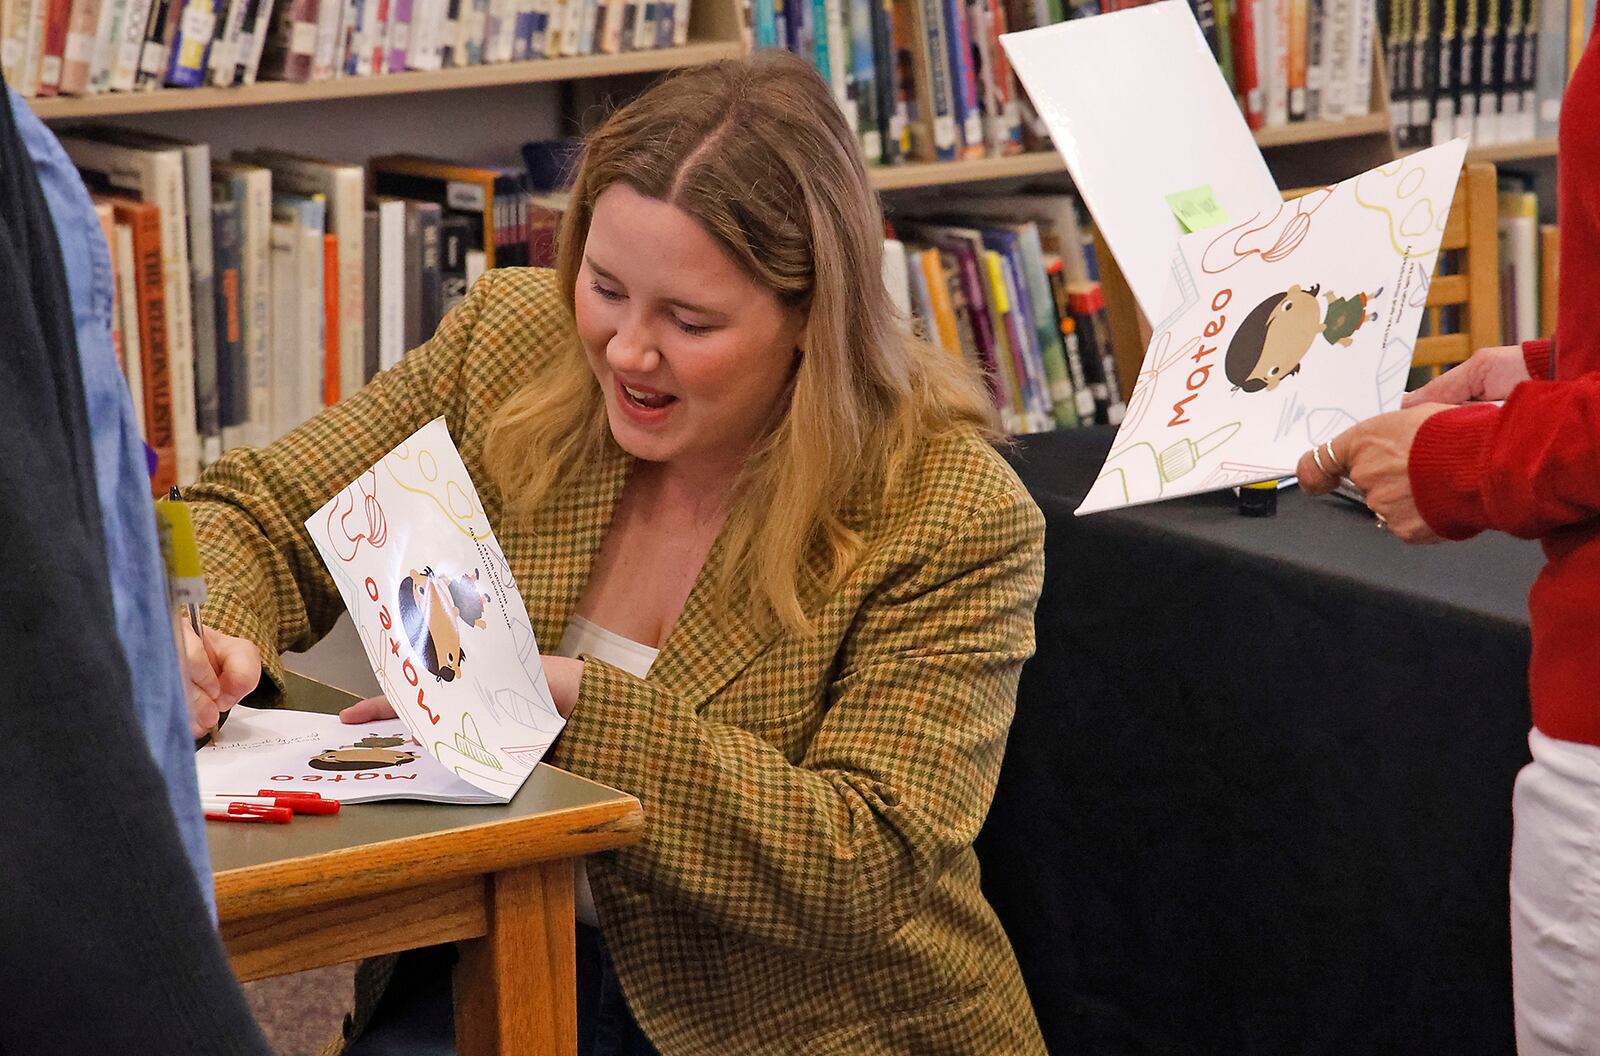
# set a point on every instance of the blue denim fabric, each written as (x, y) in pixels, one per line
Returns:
(138, 580)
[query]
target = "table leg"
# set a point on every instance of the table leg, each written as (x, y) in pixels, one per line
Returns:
(516, 988)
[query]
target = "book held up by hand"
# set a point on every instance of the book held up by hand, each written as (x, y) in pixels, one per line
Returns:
(438, 613)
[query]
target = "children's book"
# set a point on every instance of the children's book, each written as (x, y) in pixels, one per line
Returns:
(434, 602)
(1299, 323)
(304, 751)
(1139, 111)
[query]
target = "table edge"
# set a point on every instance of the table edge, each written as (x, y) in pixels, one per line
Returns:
(392, 865)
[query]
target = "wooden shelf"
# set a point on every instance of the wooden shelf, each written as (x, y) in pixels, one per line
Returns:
(1373, 124)
(939, 173)
(1503, 152)
(1044, 163)
(268, 93)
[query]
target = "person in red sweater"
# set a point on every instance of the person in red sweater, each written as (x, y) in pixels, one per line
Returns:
(1450, 464)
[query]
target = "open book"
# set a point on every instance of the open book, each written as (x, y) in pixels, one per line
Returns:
(438, 613)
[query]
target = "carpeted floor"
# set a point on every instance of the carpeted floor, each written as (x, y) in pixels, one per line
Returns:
(301, 1013)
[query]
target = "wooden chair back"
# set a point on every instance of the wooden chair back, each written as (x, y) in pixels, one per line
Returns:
(1463, 307)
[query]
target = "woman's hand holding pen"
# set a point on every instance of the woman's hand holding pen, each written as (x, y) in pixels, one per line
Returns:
(561, 672)
(219, 671)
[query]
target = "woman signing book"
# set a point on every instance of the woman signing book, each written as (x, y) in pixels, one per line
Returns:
(792, 581)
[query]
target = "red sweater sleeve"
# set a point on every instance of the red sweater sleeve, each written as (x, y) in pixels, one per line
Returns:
(1540, 356)
(1527, 468)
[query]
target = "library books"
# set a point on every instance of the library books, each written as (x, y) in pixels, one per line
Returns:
(86, 47)
(1010, 284)
(295, 287)
(1493, 71)
(928, 80)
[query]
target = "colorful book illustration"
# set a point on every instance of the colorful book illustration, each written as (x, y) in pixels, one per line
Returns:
(304, 751)
(437, 610)
(1303, 324)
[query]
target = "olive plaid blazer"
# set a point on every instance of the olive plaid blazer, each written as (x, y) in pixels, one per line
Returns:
(807, 882)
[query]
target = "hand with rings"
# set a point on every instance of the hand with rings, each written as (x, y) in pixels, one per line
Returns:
(1374, 455)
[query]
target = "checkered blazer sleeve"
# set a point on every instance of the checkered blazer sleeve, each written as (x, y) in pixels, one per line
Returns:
(264, 579)
(834, 853)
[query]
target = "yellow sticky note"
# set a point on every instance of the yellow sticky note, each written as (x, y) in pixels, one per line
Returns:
(1197, 208)
(186, 583)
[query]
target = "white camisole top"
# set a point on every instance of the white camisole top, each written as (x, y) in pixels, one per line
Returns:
(583, 637)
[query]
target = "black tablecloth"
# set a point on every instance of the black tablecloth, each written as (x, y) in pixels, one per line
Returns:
(1257, 794)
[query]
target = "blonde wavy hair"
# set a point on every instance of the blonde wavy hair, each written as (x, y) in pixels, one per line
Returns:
(758, 152)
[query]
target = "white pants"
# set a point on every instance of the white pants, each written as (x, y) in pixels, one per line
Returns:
(1555, 899)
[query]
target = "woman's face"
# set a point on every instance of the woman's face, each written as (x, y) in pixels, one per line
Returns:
(691, 353)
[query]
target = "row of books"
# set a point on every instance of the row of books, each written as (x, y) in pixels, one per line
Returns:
(1491, 70)
(1011, 285)
(928, 80)
(86, 47)
(256, 290)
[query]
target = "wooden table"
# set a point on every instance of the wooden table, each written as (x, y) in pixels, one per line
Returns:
(384, 877)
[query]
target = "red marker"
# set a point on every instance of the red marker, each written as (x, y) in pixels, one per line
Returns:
(232, 810)
(298, 804)
(284, 793)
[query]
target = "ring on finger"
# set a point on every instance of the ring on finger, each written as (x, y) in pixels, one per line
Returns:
(1333, 458)
(1316, 456)
(1382, 521)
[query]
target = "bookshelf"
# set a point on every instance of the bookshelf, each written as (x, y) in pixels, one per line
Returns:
(268, 93)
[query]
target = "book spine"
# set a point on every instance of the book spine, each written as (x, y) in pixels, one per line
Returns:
(1419, 117)
(202, 296)
(310, 350)
(128, 47)
(252, 45)
(1528, 67)
(1397, 65)
(372, 271)
(399, 34)
(285, 328)
(327, 22)
(1486, 123)
(430, 279)
(11, 14)
(1361, 52)
(223, 66)
(191, 44)
(393, 311)
(150, 272)
(228, 305)
(260, 335)
(864, 80)
(1276, 76)
(1470, 49)
(58, 17)
(1247, 83)
(1298, 42)
(153, 52)
(885, 82)
(1316, 59)
(332, 356)
(968, 107)
(35, 16)
(128, 305)
(78, 54)
(945, 136)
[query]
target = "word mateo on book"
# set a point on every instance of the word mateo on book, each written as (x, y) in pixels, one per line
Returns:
(438, 613)
(284, 750)
(1300, 322)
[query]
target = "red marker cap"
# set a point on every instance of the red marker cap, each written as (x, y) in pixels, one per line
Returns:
(251, 812)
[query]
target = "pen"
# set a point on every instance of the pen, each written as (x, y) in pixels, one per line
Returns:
(175, 495)
(295, 804)
(224, 810)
